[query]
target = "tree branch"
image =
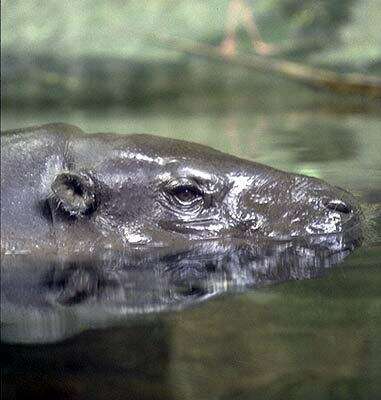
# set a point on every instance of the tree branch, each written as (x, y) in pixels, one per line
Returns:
(349, 83)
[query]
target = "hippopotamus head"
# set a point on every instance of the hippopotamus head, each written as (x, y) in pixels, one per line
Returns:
(110, 190)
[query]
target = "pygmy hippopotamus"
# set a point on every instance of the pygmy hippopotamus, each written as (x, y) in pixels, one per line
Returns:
(63, 190)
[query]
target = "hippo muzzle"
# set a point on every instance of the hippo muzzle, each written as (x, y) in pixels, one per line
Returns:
(288, 205)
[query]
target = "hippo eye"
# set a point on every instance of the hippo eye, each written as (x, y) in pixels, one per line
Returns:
(183, 192)
(186, 194)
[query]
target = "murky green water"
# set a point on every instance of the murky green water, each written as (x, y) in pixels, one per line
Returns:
(307, 339)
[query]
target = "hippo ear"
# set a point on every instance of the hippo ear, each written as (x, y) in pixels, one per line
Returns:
(74, 193)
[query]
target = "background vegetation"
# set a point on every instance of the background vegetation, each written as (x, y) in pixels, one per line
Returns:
(97, 53)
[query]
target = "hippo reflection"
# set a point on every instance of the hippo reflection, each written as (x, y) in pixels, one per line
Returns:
(47, 299)
(65, 191)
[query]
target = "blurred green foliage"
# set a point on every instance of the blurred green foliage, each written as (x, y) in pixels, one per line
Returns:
(311, 16)
(93, 52)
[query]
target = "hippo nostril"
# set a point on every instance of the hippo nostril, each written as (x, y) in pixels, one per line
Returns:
(338, 205)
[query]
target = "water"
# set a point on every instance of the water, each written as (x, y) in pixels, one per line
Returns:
(293, 338)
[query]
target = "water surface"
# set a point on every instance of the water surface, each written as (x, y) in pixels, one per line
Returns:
(295, 338)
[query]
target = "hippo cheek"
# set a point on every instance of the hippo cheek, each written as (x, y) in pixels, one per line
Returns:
(253, 213)
(249, 221)
(198, 229)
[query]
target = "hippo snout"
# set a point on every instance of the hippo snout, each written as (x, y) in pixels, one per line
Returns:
(336, 211)
(340, 201)
(338, 205)
(288, 205)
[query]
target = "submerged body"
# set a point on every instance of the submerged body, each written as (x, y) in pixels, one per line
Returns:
(66, 191)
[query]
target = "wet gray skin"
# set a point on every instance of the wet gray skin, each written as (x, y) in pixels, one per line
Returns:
(63, 190)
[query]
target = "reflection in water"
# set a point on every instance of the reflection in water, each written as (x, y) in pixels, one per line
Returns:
(143, 354)
(45, 300)
(307, 136)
